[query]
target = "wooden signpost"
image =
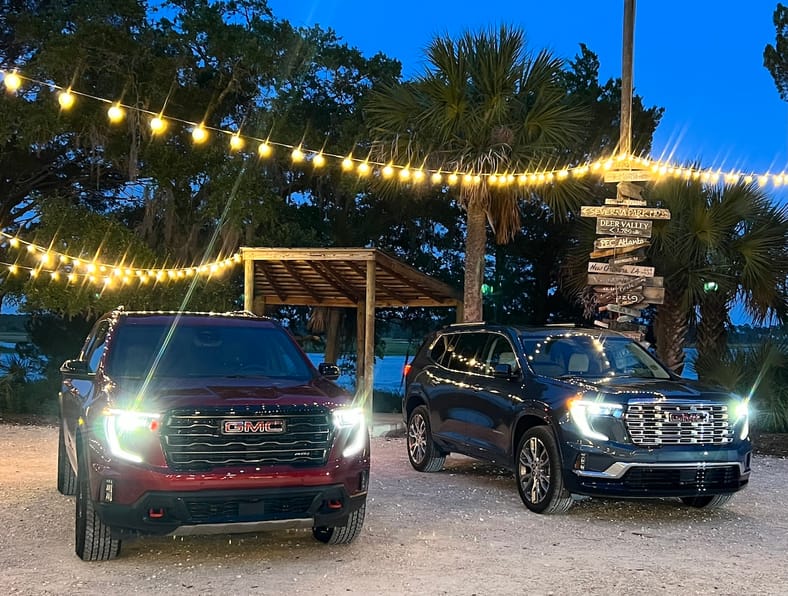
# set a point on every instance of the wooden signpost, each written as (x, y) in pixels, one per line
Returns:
(624, 225)
(613, 226)
(626, 212)
(616, 242)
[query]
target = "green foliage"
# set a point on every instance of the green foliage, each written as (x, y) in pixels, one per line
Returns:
(761, 372)
(775, 57)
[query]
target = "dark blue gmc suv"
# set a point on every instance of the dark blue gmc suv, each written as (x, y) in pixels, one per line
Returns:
(573, 412)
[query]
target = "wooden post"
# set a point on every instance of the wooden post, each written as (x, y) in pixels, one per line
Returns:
(369, 335)
(248, 283)
(361, 319)
(625, 139)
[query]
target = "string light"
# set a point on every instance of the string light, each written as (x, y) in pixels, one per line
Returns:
(12, 81)
(116, 113)
(199, 134)
(66, 99)
(236, 142)
(63, 266)
(657, 169)
(157, 125)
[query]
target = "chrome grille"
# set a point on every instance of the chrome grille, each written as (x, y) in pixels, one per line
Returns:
(678, 423)
(193, 439)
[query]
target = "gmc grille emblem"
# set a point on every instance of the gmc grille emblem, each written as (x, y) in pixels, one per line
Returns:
(252, 427)
(688, 417)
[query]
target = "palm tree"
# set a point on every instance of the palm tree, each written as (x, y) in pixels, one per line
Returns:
(722, 243)
(484, 105)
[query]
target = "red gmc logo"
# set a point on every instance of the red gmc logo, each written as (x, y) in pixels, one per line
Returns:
(252, 427)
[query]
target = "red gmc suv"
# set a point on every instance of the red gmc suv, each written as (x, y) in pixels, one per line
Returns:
(201, 423)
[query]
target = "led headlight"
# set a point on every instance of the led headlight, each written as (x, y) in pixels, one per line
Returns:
(352, 424)
(127, 430)
(585, 412)
(741, 414)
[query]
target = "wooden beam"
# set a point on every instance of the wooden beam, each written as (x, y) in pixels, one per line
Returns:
(309, 254)
(419, 287)
(297, 276)
(334, 280)
(263, 266)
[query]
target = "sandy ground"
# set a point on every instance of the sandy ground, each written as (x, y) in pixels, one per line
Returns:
(460, 531)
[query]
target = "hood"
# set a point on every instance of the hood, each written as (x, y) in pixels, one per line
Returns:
(163, 394)
(626, 388)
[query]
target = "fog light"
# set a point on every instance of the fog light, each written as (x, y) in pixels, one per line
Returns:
(106, 490)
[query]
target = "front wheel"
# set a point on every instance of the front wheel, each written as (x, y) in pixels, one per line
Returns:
(539, 476)
(94, 540)
(342, 534)
(707, 502)
(424, 455)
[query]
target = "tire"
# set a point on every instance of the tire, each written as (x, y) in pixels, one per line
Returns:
(538, 473)
(707, 502)
(423, 454)
(66, 478)
(93, 538)
(342, 534)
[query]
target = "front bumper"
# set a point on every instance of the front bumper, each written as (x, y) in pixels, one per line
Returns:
(232, 511)
(621, 470)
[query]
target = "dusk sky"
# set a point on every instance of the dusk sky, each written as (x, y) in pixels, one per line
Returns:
(700, 60)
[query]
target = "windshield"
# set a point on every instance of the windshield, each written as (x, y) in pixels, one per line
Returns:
(589, 356)
(205, 351)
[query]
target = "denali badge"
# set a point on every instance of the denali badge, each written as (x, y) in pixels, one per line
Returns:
(688, 417)
(252, 427)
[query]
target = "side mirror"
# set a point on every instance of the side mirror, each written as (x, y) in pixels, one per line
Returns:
(503, 371)
(75, 368)
(329, 370)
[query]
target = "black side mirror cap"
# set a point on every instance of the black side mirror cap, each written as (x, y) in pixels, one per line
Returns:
(75, 367)
(329, 370)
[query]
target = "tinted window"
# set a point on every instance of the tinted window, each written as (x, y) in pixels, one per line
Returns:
(96, 346)
(585, 355)
(501, 352)
(468, 354)
(205, 351)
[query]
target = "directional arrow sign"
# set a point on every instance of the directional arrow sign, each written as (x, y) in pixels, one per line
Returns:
(623, 227)
(627, 176)
(627, 259)
(594, 267)
(604, 279)
(611, 252)
(629, 212)
(626, 202)
(602, 243)
(624, 310)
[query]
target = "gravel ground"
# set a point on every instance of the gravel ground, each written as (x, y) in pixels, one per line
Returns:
(460, 531)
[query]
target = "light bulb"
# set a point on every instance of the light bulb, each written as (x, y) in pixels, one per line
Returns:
(157, 125)
(236, 143)
(264, 150)
(12, 82)
(199, 134)
(115, 113)
(66, 99)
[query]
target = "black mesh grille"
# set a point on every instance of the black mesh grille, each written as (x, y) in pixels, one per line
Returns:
(678, 423)
(227, 510)
(199, 439)
(707, 479)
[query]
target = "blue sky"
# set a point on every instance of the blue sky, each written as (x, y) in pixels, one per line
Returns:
(700, 60)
